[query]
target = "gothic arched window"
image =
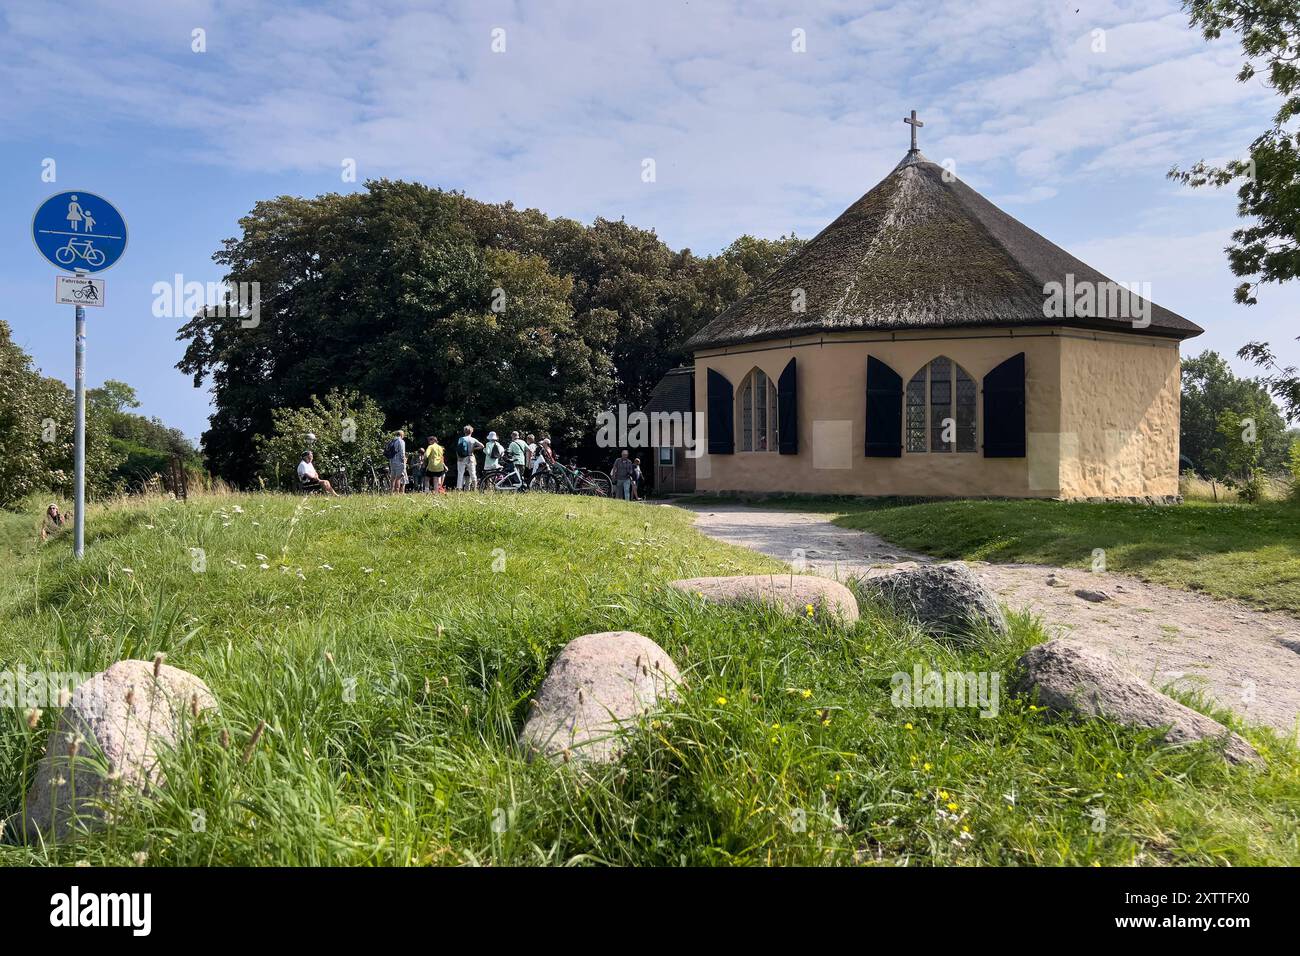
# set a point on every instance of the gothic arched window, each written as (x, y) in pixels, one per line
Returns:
(756, 412)
(941, 408)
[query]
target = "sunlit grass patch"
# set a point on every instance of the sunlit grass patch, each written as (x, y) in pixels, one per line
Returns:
(392, 647)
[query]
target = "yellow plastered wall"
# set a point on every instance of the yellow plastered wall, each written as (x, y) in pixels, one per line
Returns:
(1120, 412)
(1068, 432)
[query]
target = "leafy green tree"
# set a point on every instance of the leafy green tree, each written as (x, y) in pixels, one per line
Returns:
(1211, 390)
(448, 311)
(145, 445)
(1293, 466)
(112, 397)
(344, 429)
(36, 433)
(388, 293)
(1267, 250)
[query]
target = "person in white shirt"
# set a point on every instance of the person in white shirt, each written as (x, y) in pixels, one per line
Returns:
(308, 480)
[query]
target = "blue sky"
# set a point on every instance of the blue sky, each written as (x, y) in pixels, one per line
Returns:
(747, 134)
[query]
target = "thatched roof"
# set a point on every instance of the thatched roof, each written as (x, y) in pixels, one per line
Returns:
(920, 253)
(674, 393)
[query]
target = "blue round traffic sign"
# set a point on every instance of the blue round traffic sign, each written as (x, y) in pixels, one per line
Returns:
(79, 231)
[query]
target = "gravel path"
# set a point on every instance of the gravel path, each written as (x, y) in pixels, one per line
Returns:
(1245, 659)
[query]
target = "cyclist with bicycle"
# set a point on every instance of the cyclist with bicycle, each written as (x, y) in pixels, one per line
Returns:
(517, 455)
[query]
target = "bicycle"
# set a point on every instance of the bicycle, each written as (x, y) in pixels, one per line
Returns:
(595, 483)
(363, 478)
(502, 479)
(79, 249)
(544, 480)
(574, 481)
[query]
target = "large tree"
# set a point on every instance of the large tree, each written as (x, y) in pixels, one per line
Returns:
(1215, 442)
(1267, 250)
(388, 293)
(445, 310)
(145, 445)
(36, 432)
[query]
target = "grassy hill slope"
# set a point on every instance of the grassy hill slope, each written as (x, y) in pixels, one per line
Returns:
(392, 646)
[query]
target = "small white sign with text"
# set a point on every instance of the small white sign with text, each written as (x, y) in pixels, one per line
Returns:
(78, 290)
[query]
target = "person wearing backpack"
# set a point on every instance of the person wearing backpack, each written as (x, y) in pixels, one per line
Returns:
(466, 465)
(435, 466)
(395, 452)
(493, 452)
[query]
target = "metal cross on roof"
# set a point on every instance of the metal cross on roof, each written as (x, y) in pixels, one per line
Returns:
(914, 123)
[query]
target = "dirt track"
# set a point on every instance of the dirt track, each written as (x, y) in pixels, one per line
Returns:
(1247, 660)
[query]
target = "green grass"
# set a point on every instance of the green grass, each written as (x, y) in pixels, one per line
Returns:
(783, 720)
(1245, 552)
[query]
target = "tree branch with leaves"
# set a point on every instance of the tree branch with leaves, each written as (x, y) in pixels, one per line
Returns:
(1268, 249)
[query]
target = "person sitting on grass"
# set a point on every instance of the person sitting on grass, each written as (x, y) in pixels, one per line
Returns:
(308, 480)
(52, 521)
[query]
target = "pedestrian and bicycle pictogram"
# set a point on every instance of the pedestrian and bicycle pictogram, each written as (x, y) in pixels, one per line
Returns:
(79, 231)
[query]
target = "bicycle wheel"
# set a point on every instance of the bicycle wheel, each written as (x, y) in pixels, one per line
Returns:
(95, 257)
(65, 254)
(545, 483)
(601, 486)
(368, 478)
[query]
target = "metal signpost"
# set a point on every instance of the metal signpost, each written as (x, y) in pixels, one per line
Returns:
(81, 233)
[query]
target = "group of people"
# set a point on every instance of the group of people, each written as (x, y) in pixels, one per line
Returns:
(524, 456)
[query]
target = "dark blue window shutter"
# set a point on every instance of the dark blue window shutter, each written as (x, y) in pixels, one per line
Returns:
(787, 412)
(884, 410)
(1004, 409)
(722, 427)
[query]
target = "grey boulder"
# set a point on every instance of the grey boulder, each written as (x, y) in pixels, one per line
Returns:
(598, 686)
(106, 745)
(1070, 678)
(946, 599)
(792, 593)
